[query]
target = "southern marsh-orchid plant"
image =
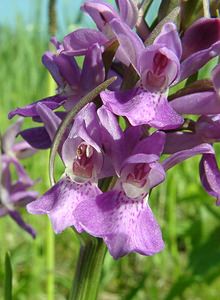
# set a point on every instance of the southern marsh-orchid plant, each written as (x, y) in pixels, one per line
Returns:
(118, 110)
(14, 181)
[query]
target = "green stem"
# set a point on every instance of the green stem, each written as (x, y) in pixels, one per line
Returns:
(50, 261)
(88, 271)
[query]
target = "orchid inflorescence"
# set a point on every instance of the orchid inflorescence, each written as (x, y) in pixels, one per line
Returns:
(113, 148)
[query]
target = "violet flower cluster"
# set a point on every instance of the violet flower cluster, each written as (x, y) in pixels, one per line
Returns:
(14, 181)
(110, 170)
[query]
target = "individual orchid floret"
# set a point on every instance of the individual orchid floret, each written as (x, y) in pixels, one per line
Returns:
(201, 103)
(77, 42)
(102, 13)
(122, 216)
(15, 193)
(158, 67)
(72, 82)
(86, 161)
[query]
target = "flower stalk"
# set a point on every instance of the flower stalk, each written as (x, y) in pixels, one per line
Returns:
(89, 267)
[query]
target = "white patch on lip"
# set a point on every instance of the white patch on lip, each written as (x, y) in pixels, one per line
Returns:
(133, 191)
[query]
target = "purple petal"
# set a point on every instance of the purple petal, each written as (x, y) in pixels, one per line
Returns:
(79, 41)
(201, 35)
(8, 138)
(21, 198)
(18, 219)
(198, 104)
(49, 118)
(52, 102)
(210, 176)
(152, 144)
(50, 64)
(101, 12)
(178, 141)
(130, 44)
(216, 78)
(68, 69)
(128, 12)
(60, 203)
(23, 150)
(93, 71)
(37, 137)
(208, 128)
(180, 156)
(169, 38)
(198, 59)
(125, 225)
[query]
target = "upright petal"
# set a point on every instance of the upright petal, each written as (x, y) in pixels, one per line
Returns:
(124, 224)
(79, 41)
(128, 12)
(49, 63)
(101, 12)
(93, 71)
(170, 39)
(130, 43)
(60, 202)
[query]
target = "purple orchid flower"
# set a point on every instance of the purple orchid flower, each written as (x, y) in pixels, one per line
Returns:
(86, 154)
(15, 193)
(72, 82)
(158, 67)
(122, 216)
(102, 13)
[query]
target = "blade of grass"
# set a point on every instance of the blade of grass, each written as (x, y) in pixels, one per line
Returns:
(8, 278)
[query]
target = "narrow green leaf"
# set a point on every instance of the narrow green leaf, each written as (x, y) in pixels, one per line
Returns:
(70, 116)
(109, 54)
(8, 278)
(166, 7)
(170, 18)
(130, 78)
(198, 86)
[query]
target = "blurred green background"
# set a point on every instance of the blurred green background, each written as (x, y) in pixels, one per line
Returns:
(188, 268)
